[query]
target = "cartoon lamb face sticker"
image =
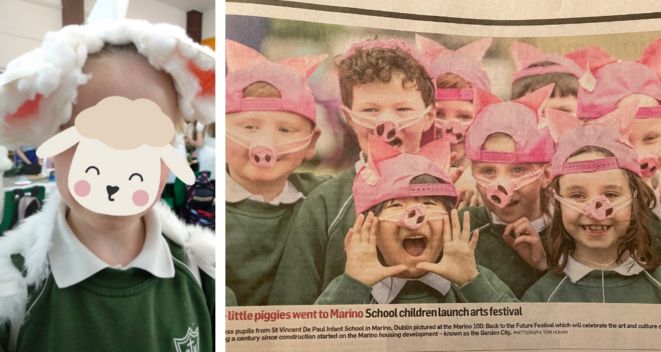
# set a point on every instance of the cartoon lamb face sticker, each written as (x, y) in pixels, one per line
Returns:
(116, 169)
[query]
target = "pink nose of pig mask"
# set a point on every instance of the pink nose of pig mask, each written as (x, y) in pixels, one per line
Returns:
(266, 154)
(599, 207)
(452, 131)
(414, 216)
(501, 190)
(386, 126)
(648, 166)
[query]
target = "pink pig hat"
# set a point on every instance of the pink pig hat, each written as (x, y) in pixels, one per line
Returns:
(388, 173)
(465, 62)
(609, 81)
(39, 88)
(525, 55)
(519, 119)
(608, 132)
(246, 66)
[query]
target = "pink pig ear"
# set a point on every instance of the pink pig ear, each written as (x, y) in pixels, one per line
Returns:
(591, 58)
(304, 64)
(559, 122)
(477, 49)
(620, 119)
(438, 152)
(239, 56)
(377, 150)
(429, 47)
(651, 57)
(482, 99)
(524, 55)
(535, 99)
(380, 150)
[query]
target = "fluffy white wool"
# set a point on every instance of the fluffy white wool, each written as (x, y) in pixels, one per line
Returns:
(54, 71)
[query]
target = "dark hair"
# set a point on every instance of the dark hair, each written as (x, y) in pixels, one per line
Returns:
(637, 240)
(451, 80)
(261, 89)
(565, 84)
(379, 65)
(448, 202)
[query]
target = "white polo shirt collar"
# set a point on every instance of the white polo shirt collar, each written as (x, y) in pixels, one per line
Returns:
(71, 262)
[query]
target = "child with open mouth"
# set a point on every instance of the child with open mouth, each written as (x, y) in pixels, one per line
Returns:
(404, 203)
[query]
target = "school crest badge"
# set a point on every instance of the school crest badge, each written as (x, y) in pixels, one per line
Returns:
(190, 342)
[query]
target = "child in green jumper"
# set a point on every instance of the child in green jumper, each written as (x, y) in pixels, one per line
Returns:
(75, 279)
(404, 202)
(271, 129)
(600, 241)
(509, 154)
(386, 92)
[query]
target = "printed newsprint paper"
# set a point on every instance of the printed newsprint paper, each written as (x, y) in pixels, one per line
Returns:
(622, 30)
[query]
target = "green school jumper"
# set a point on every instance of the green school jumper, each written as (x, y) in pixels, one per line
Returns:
(605, 286)
(495, 254)
(120, 310)
(347, 290)
(255, 237)
(314, 254)
(598, 286)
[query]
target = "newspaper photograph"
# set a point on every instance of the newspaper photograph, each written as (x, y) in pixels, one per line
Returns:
(406, 181)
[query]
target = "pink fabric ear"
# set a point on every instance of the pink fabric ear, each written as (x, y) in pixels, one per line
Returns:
(524, 55)
(476, 50)
(429, 48)
(651, 57)
(591, 57)
(438, 152)
(559, 122)
(380, 150)
(620, 119)
(482, 99)
(306, 65)
(239, 56)
(534, 100)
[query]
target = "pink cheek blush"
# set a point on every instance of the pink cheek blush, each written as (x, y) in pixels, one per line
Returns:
(140, 198)
(82, 188)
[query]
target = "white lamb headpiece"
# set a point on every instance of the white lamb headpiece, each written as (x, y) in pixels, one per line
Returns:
(38, 88)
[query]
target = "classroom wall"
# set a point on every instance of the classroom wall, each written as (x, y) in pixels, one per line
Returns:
(23, 23)
(209, 24)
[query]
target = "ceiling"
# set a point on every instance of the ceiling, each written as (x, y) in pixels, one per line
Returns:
(187, 5)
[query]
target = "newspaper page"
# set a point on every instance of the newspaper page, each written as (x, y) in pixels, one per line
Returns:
(559, 182)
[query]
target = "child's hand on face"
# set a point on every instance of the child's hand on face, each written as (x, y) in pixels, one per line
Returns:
(458, 261)
(470, 197)
(360, 247)
(468, 194)
(522, 237)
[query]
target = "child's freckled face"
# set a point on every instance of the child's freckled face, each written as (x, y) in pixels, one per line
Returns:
(272, 129)
(114, 75)
(645, 134)
(398, 101)
(401, 245)
(460, 111)
(525, 200)
(591, 234)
